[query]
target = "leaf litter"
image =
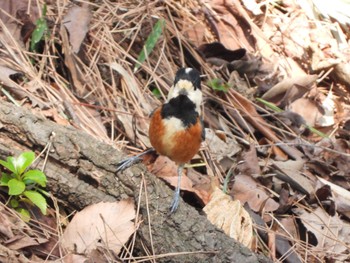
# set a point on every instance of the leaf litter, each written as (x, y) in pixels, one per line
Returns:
(296, 61)
(107, 225)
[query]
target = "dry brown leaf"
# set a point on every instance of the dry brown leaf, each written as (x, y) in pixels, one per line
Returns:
(22, 241)
(220, 149)
(6, 225)
(5, 74)
(332, 233)
(342, 72)
(73, 258)
(77, 22)
(341, 197)
(17, 90)
(292, 171)
(12, 12)
(246, 189)
(301, 83)
(70, 62)
(203, 186)
(105, 224)
(248, 110)
(230, 216)
(132, 85)
(195, 33)
(306, 108)
(166, 169)
(249, 164)
(193, 181)
(233, 31)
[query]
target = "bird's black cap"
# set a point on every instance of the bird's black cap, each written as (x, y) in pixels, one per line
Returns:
(189, 74)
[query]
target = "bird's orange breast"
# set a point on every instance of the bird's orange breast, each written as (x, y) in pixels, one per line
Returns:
(180, 145)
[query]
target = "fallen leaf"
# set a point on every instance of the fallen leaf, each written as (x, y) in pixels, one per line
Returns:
(166, 169)
(301, 84)
(5, 74)
(284, 247)
(77, 21)
(233, 29)
(249, 112)
(253, 7)
(53, 114)
(291, 172)
(341, 197)
(6, 225)
(105, 224)
(203, 186)
(74, 258)
(249, 164)
(230, 216)
(306, 108)
(246, 189)
(10, 10)
(219, 148)
(332, 234)
(191, 180)
(21, 241)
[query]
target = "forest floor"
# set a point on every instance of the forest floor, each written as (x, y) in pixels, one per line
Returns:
(273, 172)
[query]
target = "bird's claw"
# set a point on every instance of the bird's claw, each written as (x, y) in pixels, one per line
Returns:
(175, 203)
(124, 164)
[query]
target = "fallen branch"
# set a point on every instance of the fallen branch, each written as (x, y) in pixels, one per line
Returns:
(81, 171)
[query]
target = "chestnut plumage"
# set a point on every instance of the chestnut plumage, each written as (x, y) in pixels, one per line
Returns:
(176, 128)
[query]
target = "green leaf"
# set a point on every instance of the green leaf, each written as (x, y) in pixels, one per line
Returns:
(150, 42)
(218, 85)
(317, 132)
(270, 105)
(16, 187)
(14, 203)
(37, 200)
(273, 107)
(23, 161)
(25, 215)
(9, 164)
(156, 92)
(5, 178)
(39, 31)
(35, 176)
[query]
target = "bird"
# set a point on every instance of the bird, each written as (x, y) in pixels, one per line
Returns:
(176, 128)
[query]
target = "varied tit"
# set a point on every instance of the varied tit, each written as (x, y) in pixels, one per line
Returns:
(176, 129)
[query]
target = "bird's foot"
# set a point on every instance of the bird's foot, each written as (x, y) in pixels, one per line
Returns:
(175, 203)
(124, 164)
(176, 199)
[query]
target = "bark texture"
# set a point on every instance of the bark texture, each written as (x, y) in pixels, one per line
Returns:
(81, 171)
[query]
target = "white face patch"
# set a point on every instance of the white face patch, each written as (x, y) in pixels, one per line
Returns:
(194, 95)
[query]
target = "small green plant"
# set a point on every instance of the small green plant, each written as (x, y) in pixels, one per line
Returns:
(40, 30)
(277, 109)
(24, 184)
(150, 42)
(156, 93)
(218, 85)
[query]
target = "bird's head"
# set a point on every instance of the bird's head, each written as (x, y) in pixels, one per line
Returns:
(187, 82)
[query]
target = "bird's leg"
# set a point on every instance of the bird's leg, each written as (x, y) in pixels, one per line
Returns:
(176, 198)
(124, 164)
